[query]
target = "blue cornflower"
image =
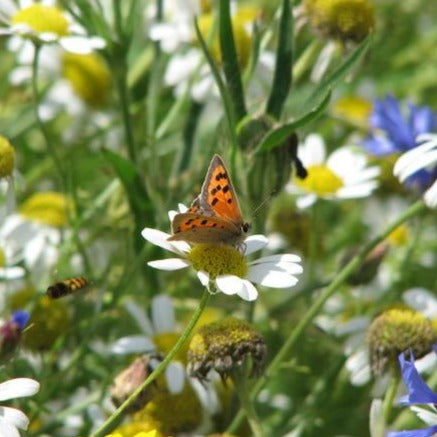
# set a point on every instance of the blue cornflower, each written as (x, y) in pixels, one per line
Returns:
(395, 132)
(418, 393)
(21, 318)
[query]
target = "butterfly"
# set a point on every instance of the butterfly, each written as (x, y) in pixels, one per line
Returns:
(66, 287)
(215, 215)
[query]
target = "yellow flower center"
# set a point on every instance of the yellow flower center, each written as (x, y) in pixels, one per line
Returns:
(164, 342)
(136, 429)
(216, 260)
(172, 413)
(243, 40)
(344, 19)
(89, 76)
(353, 109)
(399, 237)
(7, 157)
(41, 18)
(49, 208)
(321, 180)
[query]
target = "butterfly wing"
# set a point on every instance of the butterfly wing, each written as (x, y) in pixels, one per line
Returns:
(199, 228)
(218, 196)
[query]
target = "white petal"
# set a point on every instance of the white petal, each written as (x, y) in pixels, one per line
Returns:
(230, 284)
(17, 388)
(254, 243)
(163, 314)
(357, 191)
(282, 258)
(421, 300)
(134, 343)
(175, 377)
(429, 417)
(312, 151)
(248, 292)
(203, 278)
(303, 202)
(430, 196)
(14, 417)
(140, 317)
(6, 429)
(169, 264)
(81, 44)
(376, 419)
(290, 268)
(408, 159)
(159, 238)
(270, 278)
(8, 273)
(420, 161)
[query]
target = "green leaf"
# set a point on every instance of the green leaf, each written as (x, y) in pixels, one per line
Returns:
(231, 66)
(278, 135)
(284, 61)
(341, 71)
(139, 200)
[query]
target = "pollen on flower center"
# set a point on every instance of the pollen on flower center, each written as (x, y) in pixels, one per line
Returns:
(164, 342)
(321, 180)
(218, 260)
(41, 18)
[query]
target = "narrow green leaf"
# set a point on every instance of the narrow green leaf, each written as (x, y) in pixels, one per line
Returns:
(231, 66)
(278, 135)
(341, 71)
(284, 61)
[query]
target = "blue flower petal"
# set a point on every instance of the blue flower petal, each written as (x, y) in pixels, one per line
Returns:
(379, 145)
(21, 318)
(425, 432)
(422, 119)
(418, 391)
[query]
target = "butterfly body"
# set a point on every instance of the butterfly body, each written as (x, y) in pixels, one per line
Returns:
(215, 215)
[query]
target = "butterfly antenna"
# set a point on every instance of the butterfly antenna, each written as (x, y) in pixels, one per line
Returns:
(265, 200)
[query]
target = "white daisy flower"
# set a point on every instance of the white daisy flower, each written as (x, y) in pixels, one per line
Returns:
(225, 268)
(12, 418)
(47, 24)
(345, 174)
(420, 158)
(154, 331)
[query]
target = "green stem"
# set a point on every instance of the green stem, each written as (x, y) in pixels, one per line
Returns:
(123, 95)
(50, 147)
(313, 243)
(239, 378)
(390, 395)
(347, 270)
(118, 415)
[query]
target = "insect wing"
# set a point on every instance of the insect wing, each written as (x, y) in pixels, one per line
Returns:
(218, 195)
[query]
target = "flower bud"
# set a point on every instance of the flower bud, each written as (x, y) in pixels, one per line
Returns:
(224, 346)
(398, 330)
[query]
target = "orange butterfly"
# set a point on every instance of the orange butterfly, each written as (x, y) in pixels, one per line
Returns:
(215, 215)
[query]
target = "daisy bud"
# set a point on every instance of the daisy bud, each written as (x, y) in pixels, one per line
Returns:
(224, 346)
(89, 77)
(49, 319)
(136, 429)
(127, 381)
(49, 208)
(10, 334)
(369, 268)
(354, 110)
(251, 130)
(7, 157)
(348, 20)
(172, 413)
(395, 331)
